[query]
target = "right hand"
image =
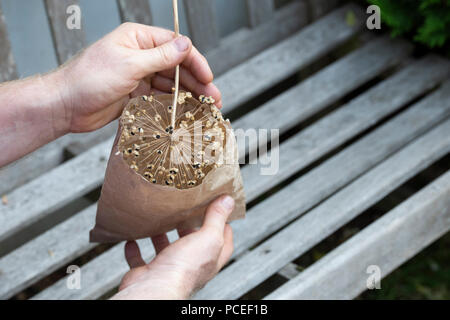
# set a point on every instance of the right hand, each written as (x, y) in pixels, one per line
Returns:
(181, 268)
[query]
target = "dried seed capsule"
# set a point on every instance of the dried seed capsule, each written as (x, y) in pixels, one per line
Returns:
(148, 175)
(136, 153)
(130, 150)
(196, 165)
(201, 98)
(157, 117)
(207, 137)
(153, 180)
(145, 98)
(157, 135)
(141, 131)
(191, 182)
(173, 171)
(136, 147)
(170, 177)
(150, 166)
(134, 167)
(188, 115)
(188, 94)
(158, 151)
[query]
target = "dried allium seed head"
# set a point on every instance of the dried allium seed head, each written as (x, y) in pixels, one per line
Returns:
(161, 153)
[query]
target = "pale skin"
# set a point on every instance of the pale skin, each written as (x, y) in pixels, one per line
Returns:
(90, 91)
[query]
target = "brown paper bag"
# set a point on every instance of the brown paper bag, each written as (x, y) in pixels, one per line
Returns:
(152, 184)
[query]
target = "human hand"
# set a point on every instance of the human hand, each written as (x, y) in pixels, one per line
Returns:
(181, 268)
(132, 60)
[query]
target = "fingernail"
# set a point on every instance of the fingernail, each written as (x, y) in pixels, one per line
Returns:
(182, 43)
(227, 202)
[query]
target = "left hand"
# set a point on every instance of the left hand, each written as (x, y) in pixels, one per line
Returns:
(132, 60)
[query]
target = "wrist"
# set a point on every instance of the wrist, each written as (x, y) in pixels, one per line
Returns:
(54, 83)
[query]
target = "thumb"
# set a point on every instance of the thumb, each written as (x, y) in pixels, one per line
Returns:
(163, 57)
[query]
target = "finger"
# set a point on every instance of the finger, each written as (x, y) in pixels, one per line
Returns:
(185, 232)
(190, 82)
(133, 255)
(217, 214)
(148, 37)
(160, 242)
(164, 84)
(143, 88)
(162, 57)
(228, 247)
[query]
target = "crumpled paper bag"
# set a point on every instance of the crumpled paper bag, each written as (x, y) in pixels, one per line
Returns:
(135, 205)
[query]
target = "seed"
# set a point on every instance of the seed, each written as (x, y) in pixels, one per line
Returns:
(136, 147)
(173, 171)
(201, 98)
(188, 115)
(141, 131)
(153, 180)
(157, 117)
(157, 135)
(129, 150)
(136, 153)
(191, 182)
(196, 165)
(134, 167)
(145, 98)
(150, 166)
(171, 177)
(188, 94)
(158, 151)
(148, 174)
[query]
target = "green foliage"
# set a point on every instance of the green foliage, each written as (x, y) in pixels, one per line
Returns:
(427, 21)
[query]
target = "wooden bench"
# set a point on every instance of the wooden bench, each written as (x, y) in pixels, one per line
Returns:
(362, 117)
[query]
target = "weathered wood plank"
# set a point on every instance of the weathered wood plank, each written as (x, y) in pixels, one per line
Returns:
(300, 236)
(201, 19)
(386, 243)
(41, 196)
(308, 190)
(339, 126)
(45, 254)
(135, 11)
(330, 84)
(49, 156)
(259, 11)
(279, 62)
(242, 44)
(318, 8)
(8, 69)
(67, 41)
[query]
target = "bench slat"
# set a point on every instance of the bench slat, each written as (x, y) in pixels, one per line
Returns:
(279, 62)
(308, 190)
(202, 24)
(358, 115)
(51, 154)
(8, 69)
(259, 11)
(387, 243)
(291, 242)
(53, 190)
(135, 11)
(325, 87)
(67, 42)
(46, 253)
(246, 42)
